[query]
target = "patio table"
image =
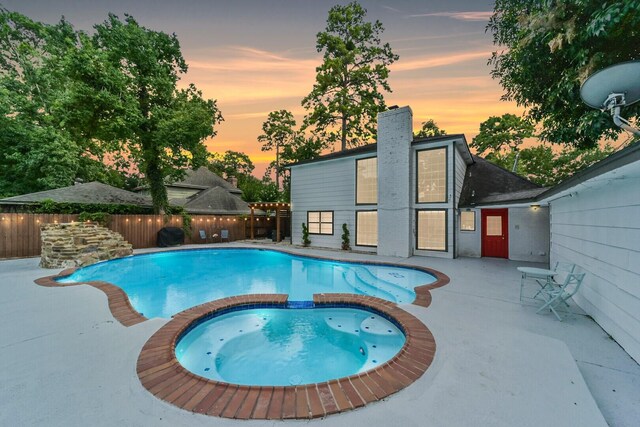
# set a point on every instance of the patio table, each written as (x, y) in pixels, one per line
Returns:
(536, 273)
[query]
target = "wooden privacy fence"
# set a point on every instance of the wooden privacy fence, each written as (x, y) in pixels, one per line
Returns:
(20, 232)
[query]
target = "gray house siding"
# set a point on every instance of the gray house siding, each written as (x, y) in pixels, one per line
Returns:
(596, 227)
(469, 242)
(326, 186)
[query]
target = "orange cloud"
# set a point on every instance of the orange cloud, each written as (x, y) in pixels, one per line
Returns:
(461, 16)
(438, 61)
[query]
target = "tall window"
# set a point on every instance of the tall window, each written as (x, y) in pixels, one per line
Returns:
(467, 221)
(432, 176)
(367, 228)
(320, 222)
(432, 230)
(367, 181)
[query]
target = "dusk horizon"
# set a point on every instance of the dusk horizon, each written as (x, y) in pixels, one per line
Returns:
(256, 57)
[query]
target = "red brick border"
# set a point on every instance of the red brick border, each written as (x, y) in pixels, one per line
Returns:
(124, 312)
(161, 373)
(119, 303)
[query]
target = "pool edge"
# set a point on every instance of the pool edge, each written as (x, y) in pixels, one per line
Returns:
(123, 311)
(162, 375)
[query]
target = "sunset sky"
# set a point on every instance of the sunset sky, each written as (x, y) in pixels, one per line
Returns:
(256, 56)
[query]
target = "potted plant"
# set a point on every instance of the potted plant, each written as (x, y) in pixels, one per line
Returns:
(346, 242)
(305, 235)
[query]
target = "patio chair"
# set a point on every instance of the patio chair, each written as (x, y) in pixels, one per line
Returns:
(559, 295)
(203, 235)
(224, 235)
(562, 268)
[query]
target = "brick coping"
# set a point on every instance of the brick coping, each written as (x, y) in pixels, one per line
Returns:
(162, 375)
(124, 312)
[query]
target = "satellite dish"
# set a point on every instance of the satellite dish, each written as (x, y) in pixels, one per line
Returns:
(612, 88)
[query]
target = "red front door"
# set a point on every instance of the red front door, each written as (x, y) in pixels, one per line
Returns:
(495, 233)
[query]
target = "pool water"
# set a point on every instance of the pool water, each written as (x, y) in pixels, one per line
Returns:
(165, 283)
(282, 347)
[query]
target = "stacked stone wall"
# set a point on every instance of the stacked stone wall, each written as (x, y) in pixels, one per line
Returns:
(78, 244)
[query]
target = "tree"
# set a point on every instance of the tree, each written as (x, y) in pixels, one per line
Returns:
(231, 163)
(346, 98)
(547, 49)
(163, 127)
(502, 136)
(500, 142)
(429, 129)
(70, 100)
(278, 132)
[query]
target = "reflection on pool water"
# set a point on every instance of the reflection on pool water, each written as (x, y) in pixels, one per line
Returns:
(280, 347)
(164, 283)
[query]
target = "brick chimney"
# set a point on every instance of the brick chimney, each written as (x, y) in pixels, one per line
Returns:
(233, 181)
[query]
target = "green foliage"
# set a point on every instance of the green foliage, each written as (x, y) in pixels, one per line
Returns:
(164, 126)
(259, 190)
(547, 49)
(500, 134)
(303, 148)
(429, 128)
(305, 235)
(500, 140)
(101, 218)
(231, 163)
(346, 97)
(48, 206)
(346, 242)
(278, 132)
(69, 101)
(186, 223)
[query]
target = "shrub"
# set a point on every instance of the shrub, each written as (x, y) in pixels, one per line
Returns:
(101, 218)
(346, 242)
(305, 235)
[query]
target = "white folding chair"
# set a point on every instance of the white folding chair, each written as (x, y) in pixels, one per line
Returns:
(562, 268)
(554, 296)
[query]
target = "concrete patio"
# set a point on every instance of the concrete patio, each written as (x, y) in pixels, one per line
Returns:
(67, 362)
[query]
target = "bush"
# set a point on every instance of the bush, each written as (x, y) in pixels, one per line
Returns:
(101, 218)
(305, 235)
(346, 242)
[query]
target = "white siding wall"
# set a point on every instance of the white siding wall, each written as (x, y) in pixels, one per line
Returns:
(326, 186)
(599, 230)
(529, 234)
(469, 243)
(448, 205)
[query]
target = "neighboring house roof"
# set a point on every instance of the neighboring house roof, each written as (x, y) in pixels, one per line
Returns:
(372, 148)
(202, 178)
(215, 200)
(486, 183)
(91, 192)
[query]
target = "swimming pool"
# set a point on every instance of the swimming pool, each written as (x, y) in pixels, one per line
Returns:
(162, 284)
(288, 346)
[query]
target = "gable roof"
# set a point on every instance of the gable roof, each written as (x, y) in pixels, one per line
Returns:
(486, 183)
(202, 178)
(90, 192)
(215, 200)
(372, 148)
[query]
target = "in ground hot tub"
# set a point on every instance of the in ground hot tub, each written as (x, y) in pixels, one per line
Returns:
(263, 357)
(288, 346)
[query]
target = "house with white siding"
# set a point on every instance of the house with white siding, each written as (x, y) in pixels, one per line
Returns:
(429, 196)
(595, 224)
